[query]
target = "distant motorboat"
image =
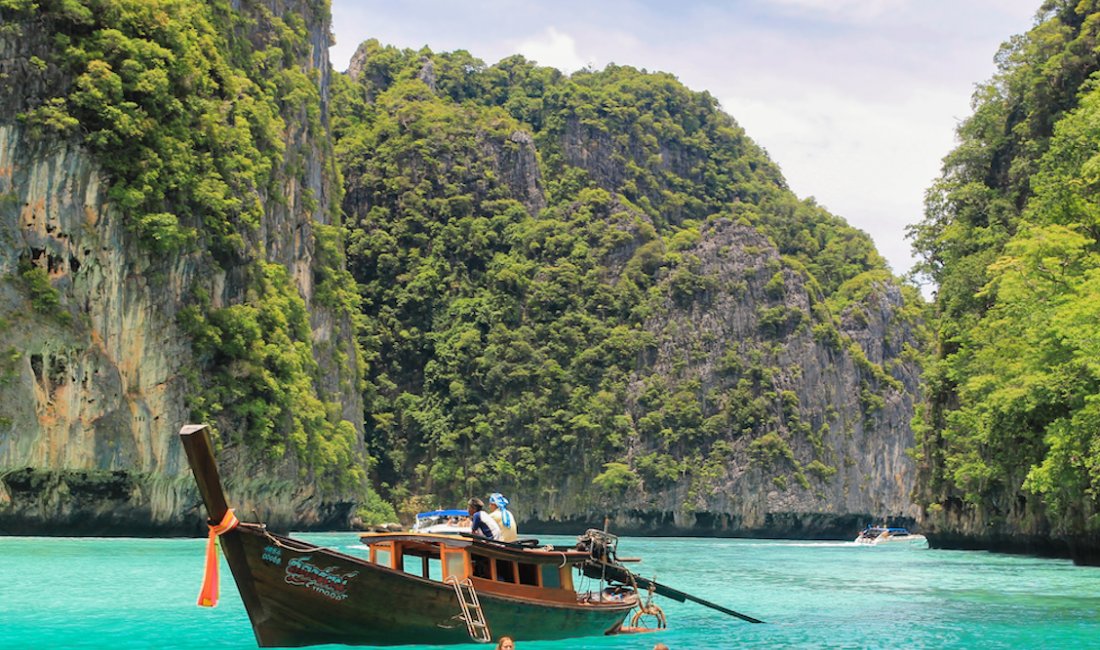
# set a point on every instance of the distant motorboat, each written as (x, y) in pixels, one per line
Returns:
(884, 535)
(442, 522)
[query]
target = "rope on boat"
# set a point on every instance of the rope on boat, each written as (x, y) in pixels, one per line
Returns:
(549, 548)
(296, 546)
(208, 594)
(647, 608)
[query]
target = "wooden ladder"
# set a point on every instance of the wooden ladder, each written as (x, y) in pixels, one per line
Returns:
(471, 610)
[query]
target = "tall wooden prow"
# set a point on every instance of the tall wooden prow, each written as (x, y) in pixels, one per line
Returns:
(200, 456)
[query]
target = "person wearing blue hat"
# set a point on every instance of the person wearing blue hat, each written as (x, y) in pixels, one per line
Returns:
(498, 510)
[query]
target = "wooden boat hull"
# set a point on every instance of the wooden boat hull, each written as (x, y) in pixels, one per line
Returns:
(308, 595)
(299, 594)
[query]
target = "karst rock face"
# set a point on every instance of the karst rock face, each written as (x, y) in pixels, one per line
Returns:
(862, 470)
(95, 388)
(840, 405)
(822, 449)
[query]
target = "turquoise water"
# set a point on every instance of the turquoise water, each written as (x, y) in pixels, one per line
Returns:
(140, 593)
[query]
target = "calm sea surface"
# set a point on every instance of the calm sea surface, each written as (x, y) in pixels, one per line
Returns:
(140, 593)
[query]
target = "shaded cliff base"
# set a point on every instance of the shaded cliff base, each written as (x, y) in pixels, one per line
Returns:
(113, 503)
(105, 503)
(775, 525)
(93, 503)
(1082, 550)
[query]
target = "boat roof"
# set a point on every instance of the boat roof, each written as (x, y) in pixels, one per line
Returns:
(442, 513)
(537, 554)
(890, 530)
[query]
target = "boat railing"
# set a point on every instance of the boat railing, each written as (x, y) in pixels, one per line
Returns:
(520, 544)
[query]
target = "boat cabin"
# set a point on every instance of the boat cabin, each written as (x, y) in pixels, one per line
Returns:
(492, 567)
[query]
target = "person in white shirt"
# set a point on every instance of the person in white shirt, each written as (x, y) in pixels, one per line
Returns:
(498, 510)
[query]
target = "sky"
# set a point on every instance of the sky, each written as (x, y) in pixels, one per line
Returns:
(857, 101)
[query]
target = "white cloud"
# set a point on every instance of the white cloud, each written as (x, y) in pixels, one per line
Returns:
(868, 161)
(843, 10)
(553, 48)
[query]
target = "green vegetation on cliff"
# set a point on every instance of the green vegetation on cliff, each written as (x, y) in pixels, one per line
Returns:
(519, 236)
(171, 114)
(1011, 437)
(200, 114)
(533, 263)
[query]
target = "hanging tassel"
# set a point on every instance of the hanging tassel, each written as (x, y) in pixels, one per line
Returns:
(208, 595)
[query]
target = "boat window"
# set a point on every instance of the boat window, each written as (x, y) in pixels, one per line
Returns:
(506, 571)
(528, 574)
(482, 567)
(381, 555)
(455, 564)
(435, 569)
(413, 564)
(551, 576)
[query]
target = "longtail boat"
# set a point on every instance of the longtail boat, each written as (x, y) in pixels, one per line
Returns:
(416, 588)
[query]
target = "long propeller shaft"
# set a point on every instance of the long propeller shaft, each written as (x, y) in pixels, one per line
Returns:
(596, 569)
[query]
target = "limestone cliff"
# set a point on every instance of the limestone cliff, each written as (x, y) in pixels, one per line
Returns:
(662, 335)
(99, 373)
(836, 426)
(594, 293)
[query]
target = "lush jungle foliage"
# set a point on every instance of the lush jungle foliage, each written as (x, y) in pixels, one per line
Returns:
(1011, 237)
(186, 106)
(510, 290)
(515, 240)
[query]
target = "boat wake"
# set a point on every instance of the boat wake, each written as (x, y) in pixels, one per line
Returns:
(804, 544)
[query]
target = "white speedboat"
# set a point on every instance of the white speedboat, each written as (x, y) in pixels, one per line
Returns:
(883, 535)
(442, 522)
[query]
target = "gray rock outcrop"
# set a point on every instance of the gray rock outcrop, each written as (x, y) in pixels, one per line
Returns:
(95, 392)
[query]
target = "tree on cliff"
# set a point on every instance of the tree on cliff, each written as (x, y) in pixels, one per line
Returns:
(1011, 433)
